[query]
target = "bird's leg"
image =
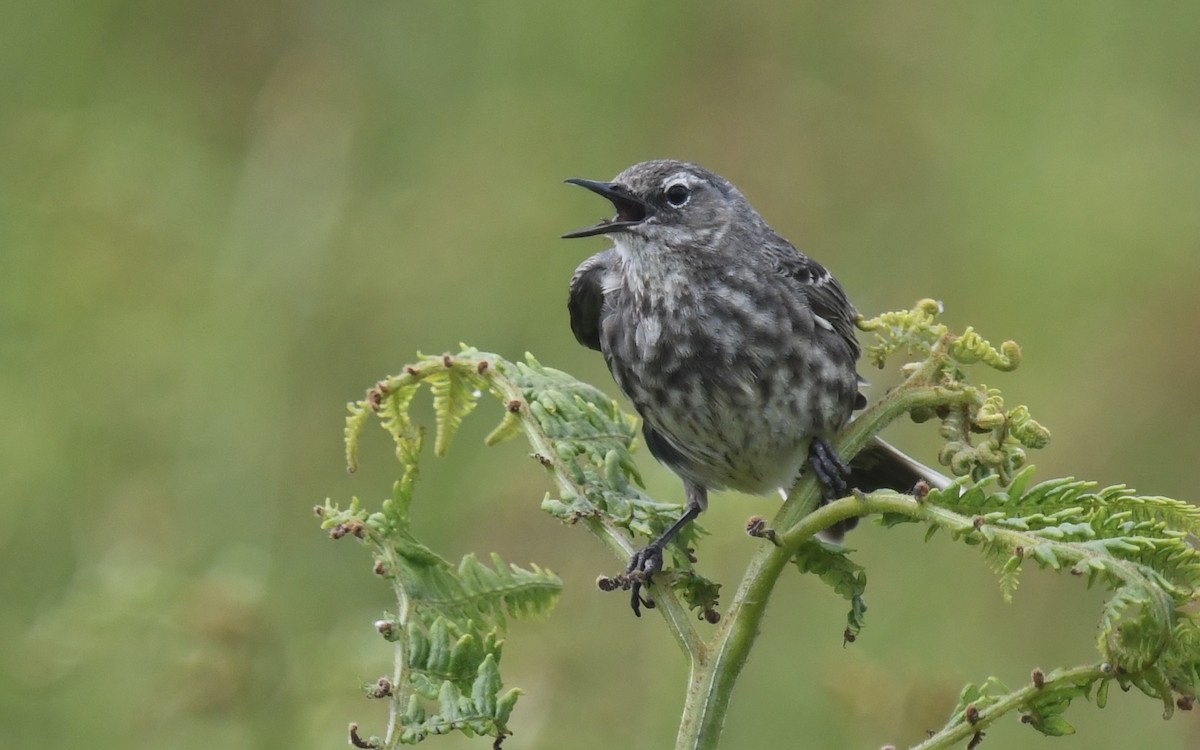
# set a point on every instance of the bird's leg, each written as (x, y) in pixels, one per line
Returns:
(829, 469)
(649, 559)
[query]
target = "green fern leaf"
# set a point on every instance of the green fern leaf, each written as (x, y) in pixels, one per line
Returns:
(393, 408)
(485, 688)
(1008, 567)
(359, 413)
(832, 564)
(455, 395)
(508, 428)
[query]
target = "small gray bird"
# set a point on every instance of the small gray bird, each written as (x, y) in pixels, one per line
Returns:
(737, 350)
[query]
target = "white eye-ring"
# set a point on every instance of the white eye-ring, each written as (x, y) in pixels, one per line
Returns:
(678, 194)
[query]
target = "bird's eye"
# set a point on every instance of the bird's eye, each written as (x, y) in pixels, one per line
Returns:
(678, 194)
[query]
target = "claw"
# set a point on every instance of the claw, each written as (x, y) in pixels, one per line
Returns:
(829, 469)
(642, 566)
(649, 559)
(832, 473)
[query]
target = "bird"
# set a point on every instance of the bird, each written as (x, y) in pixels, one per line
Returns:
(737, 350)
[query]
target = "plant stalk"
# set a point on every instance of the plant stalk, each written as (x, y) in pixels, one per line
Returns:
(954, 734)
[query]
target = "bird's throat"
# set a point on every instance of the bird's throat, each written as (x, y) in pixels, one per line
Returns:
(651, 273)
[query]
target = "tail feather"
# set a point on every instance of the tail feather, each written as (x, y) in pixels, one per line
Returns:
(880, 465)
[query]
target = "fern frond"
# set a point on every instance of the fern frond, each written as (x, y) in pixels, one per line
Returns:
(395, 510)
(1135, 627)
(359, 413)
(449, 618)
(476, 709)
(394, 397)
(1138, 547)
(915, 330)
(1007, 566)
(507, 589)
(508, 428)
(592, 443)
(832, 564)
(455, 395)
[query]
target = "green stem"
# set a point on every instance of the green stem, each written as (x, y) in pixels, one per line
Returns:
(957, 731)
(711, 683)
(401, 685)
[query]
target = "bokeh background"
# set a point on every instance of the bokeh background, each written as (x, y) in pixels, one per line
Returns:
(220, 221)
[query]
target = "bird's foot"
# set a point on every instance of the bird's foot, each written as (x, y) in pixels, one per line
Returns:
(832, 473)
(829, 469)
(642, 566)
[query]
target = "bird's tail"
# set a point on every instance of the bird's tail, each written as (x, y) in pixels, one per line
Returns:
(880, 465)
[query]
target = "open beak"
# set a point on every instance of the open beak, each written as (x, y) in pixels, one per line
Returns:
(631, 210)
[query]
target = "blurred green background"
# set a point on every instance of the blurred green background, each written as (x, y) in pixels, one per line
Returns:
(220, 221)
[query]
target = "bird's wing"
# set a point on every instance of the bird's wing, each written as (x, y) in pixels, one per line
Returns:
(825, 295)
(585, 300)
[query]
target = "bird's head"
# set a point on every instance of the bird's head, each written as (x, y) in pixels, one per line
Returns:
(667, 203)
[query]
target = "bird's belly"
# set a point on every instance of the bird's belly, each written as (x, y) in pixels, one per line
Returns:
(740, 424)
(753, 444)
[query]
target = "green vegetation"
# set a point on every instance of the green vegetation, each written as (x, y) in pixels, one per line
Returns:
(1137, 547)
(220, 220)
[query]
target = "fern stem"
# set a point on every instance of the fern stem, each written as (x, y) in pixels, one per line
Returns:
(711, 683)
(401, 685)
(1064, 552)
(957, 731)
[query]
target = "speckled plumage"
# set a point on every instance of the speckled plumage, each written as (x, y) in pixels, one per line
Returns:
(734, 347)
(737, 350)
